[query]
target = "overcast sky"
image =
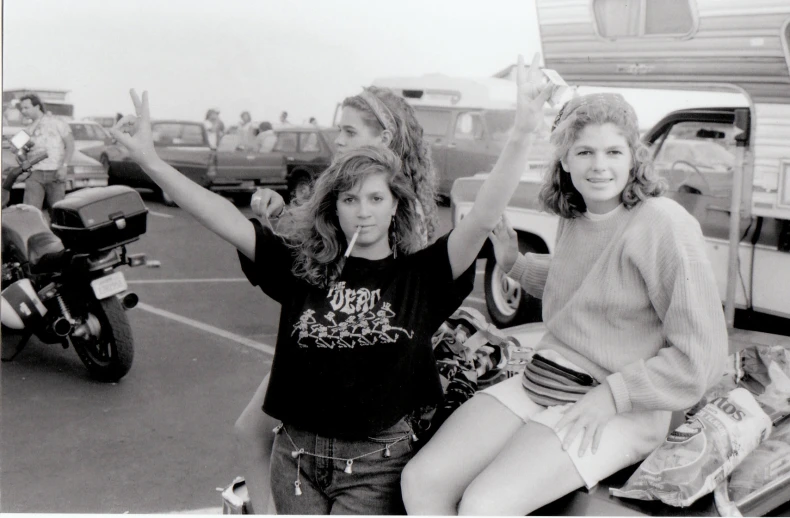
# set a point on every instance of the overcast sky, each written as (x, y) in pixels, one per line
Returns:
(303, 56)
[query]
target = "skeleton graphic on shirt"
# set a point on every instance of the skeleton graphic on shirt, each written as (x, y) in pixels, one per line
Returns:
(364, 323)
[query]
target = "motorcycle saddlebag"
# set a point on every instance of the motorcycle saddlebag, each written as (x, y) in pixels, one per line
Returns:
(99, 218)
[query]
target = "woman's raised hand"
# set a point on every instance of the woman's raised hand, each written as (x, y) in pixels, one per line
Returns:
(533, 92)
(505, 241)
(134, 131)
(267, 203)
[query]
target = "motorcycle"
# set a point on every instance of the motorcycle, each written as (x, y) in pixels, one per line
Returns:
(59, 281)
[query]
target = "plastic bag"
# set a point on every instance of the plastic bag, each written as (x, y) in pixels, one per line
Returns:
(700, 453)
(769, 462)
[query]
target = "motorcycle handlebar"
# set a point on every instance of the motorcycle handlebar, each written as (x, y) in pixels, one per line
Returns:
(13, 174)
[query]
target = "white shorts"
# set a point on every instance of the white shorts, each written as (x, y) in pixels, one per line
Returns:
(627, 439)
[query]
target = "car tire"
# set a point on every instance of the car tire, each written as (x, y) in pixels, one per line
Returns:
(301, 188)
(242, 199)
(507, 302)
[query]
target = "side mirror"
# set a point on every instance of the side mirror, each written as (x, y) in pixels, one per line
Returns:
(742, 122)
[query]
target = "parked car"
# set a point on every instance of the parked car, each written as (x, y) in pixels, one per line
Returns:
(105, 121)
(182, 144)
(88, 134)
(83, 171)
(299, 154)
(693, 150)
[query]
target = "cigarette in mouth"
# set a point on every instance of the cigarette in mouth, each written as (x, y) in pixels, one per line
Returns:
(353, 240)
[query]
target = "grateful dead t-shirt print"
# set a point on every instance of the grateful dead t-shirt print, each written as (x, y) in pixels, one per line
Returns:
(353, 318)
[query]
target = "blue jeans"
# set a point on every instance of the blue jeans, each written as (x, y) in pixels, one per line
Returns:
(41, 185)
(373, 486)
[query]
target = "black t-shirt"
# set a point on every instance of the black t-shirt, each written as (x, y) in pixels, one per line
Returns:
(354, 358)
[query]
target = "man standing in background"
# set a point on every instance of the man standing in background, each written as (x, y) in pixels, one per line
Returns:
(284, 120)
(48, 177)
(246, 131)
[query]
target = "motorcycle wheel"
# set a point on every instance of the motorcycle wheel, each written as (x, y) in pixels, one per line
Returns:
(109, 356)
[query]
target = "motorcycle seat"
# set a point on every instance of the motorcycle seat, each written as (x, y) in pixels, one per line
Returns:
(20, 222)
(44, 251)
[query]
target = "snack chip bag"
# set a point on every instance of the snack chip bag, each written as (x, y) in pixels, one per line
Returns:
(700, 453)
(766, 464)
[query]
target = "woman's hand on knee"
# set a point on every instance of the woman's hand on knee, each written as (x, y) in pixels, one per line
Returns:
(588, 416)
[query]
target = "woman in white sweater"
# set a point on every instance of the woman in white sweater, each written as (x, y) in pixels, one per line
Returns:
(635, 331)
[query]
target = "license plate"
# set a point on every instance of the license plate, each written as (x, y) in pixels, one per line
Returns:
(109, 285)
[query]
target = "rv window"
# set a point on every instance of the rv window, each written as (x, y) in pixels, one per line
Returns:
(468, 126)
(433, 122)
(634, 18)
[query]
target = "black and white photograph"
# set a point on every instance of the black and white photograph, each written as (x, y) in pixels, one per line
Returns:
(424, 257)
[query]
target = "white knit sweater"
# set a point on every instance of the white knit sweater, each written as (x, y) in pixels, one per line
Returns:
(633, 300)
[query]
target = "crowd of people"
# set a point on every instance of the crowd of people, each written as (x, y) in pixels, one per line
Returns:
(257, 137)
(634, 324)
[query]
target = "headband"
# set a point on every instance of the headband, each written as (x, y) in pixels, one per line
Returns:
(380, 110)
(602, 100)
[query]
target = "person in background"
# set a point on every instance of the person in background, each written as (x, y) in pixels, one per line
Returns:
(634, 323)
(266, 138)
(47, 181)
(214, 127)
(247, 132)
(284, 119)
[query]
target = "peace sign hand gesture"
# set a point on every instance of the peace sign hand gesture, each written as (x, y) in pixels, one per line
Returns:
(533, 92)
(134, 131)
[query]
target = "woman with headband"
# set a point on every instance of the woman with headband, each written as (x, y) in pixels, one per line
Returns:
(634, 325)
(353, 356)
(376, 117)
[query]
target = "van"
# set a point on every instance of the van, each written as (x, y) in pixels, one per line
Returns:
(466, 120)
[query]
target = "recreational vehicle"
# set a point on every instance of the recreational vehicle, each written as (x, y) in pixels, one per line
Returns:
(728, 166)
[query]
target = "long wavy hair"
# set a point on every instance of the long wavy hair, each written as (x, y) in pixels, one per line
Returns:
(558, 195)
(408, 143)
(312, 230)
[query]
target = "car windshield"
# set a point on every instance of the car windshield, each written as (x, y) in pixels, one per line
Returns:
(433, 122)
(178, 134)
(82, 131)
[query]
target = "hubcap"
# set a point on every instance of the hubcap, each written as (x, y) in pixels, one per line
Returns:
(506, 292)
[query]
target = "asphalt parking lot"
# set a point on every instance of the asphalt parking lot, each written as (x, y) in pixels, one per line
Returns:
(161, 439)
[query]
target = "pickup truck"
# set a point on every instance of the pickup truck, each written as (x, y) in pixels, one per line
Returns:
(299, 154)
(694, 151)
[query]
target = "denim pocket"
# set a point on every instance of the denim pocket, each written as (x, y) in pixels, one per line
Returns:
(398, 435)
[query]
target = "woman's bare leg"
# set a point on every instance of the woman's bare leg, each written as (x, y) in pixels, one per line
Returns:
(435, 479)
(255, 437)
(531, 471)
